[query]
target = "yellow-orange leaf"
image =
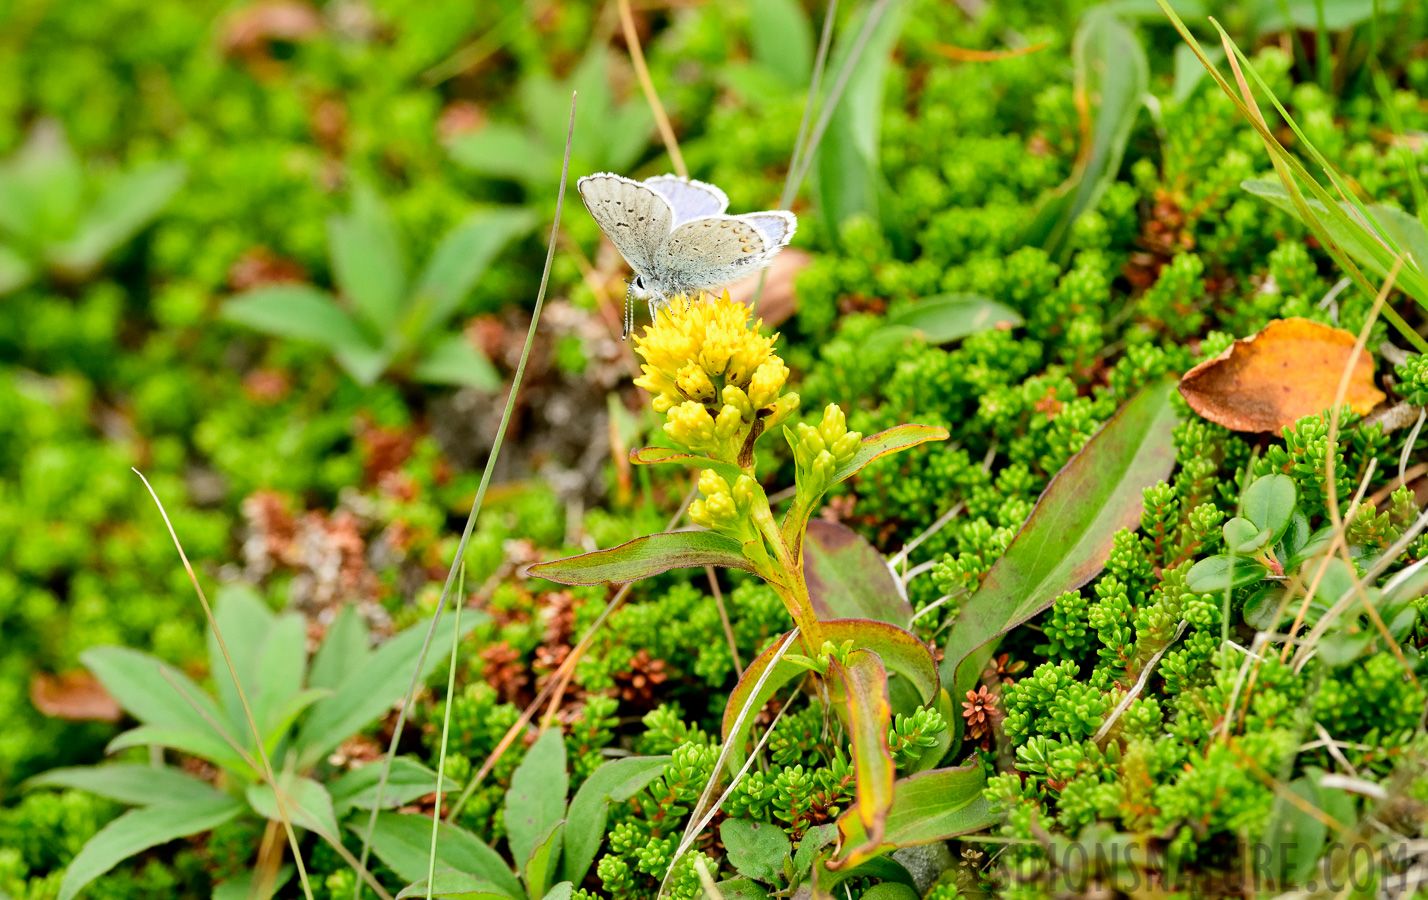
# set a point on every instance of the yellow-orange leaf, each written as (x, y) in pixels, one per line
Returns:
(1289, 370)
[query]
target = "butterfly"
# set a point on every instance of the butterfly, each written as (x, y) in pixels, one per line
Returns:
(676, 236)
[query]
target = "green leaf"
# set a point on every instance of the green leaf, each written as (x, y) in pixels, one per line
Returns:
(782, 39)
(536, 799)
(499, 150)
(240, 886)
(544, 858)
(403, 843)
(1068, 535)
(407, 780)
(15, 270)
(281, 663)
(849, 579)
(562, 891)
(814, 840)
(1269, 503)
(1244, 536)
(1372, 247)
(1260, 609)
(861, 688)
(894, 440)
(1216, 574)
(741, 889)
(1189, 71)
(370, 691)
(138, 784)
(849, 175)
(1408, 583)
(243, 619)
(652, 456)
(616, 780)
(899, 651)
(1293, 836)
(306, 802)
(137, 681)
(755, 849)
(452, 360)
(131, 201)
(949, 317)
(461, 259)
(367, 260)
(930, 806)
(890, 890)
(451, 883)
(1112, 79)
(343, 651)
(645, 556)
(138, 830)
(299, 312)
(207, 744)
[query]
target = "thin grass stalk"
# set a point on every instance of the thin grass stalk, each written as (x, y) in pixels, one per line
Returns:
(476, 504)
(1279, 155)
(845, 74)
(267, 767)
(702, 813)
(786, 196)
(642, 73)
(445, 732)
(724, 620)
(563, 674)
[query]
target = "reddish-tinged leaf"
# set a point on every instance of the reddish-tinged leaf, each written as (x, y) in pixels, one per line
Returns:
(653, 456)
(1288, 370)
(884, 442)
(930, 806)
(646, 556)
(1068, 536)
(848, 579)
(899, 651)
(77, 696)
(860, 688)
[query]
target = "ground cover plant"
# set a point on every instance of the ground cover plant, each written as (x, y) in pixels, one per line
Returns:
(1052, 524)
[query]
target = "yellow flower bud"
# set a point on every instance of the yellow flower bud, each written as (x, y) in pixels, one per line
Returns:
(711, 483)
(768, 380)
(721, 510)
(823, 468)
(690, 424)
(694, 383)
(784, 407)
(811, 440)
(699, 515)
(734, 396)
(728, 423)
(834, 425)
(846, 447)
(745, 490)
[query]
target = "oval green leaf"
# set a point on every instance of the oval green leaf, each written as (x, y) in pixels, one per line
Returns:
(849, 579)
(950, 317)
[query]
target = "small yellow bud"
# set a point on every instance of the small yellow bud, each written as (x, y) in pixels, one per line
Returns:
(662, 403)
(784, 407)
(846, 447)
(691, 425)
(694, 383)
(823, 468)
(721, 510)
(734, 396)
(811, 440)
(745, 490)
(728, 423)
(768, 380)
(711, 483)
(699, 515)
(834, 425)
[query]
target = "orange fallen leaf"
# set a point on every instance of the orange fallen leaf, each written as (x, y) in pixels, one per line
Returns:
(77, 696)
(1289, 370)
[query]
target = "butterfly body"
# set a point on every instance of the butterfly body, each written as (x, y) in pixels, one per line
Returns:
(677, 237)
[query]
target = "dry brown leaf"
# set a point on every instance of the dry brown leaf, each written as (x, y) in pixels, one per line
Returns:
(77, 696)
(778, 301)
(1289, 370)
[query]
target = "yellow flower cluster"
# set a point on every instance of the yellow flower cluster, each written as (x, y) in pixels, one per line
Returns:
(716, 379)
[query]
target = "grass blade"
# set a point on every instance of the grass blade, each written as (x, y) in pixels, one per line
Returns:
(476, 504)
